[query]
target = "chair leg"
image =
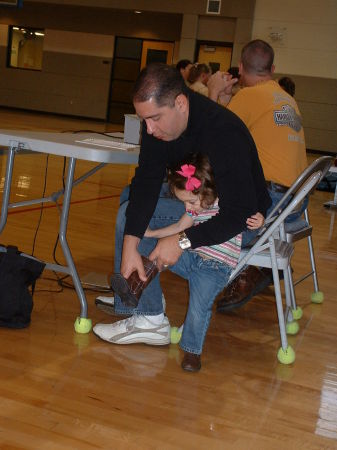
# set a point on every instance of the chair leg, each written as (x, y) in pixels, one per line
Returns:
(287, 288)
(313, 263)
(291, 288)
(317, 296)
(296, 311)
(292, 326)
(286, 354)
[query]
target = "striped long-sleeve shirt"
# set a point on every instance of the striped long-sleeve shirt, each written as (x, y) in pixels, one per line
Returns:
(228, 252)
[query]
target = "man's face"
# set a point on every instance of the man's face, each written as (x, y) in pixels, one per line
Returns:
(164, 122)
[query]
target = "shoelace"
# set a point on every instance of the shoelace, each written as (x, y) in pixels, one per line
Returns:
(130, 322)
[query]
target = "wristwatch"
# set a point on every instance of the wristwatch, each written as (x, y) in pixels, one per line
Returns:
(184, 242)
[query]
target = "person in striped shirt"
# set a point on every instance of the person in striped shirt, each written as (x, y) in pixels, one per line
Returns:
(206, 268)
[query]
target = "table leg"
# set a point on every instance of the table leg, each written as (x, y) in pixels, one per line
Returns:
(7, 187)
(82, 324)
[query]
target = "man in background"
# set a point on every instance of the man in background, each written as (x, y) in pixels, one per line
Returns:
(273, 118)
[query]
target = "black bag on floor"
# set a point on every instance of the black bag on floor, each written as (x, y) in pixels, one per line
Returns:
(17, 274)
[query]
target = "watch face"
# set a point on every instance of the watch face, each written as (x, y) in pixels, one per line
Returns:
(184, 242)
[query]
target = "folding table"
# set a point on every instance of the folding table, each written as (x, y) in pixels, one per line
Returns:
(86, 146)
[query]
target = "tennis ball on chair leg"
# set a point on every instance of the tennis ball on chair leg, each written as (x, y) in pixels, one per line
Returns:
(175, 335)
(286, 356)
(82, 325)
(292, 327)
(317, 297)
(297, 313)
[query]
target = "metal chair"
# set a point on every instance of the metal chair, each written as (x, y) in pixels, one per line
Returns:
(301, 229)
(272, 250)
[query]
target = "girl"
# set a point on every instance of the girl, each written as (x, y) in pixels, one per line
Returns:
(198, 78)
(193, 183)
(201, 201)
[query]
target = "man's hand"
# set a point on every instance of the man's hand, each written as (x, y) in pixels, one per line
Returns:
(167, 251)
(220, 85)
(131, 259)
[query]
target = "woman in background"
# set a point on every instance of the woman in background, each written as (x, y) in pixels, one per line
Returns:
(198, 78)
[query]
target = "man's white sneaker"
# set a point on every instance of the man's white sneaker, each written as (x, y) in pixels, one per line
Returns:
(135, 329)
(107, 304)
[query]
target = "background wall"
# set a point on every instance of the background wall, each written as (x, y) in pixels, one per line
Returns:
(75, 75)
(77, 57)
(79, 43)
(80, 36)
(307, 51)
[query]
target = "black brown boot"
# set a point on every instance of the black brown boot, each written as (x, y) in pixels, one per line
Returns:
(245, 286)
(131, 289)
(191, 362)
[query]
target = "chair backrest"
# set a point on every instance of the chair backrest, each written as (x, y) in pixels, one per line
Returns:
(321, 164)
(274, 226)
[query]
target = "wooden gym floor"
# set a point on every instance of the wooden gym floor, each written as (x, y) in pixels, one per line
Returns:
(62, 390)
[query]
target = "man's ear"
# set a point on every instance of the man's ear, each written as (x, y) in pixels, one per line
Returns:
(181, 102)
(272, 68)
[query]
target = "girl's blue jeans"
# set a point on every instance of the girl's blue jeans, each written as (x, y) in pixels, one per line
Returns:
(206, 278)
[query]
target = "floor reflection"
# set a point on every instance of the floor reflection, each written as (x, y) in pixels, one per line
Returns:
(327, 422)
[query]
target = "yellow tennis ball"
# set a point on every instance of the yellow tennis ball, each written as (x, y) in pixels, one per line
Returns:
(292, 327)
(297, 313)
(317, 297)
(286, 356)
(175, 335)
(82, 325)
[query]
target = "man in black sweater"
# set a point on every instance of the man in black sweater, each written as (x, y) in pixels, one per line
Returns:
(177, 122)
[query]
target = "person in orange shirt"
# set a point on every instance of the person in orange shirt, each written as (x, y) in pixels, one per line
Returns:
(274, 120)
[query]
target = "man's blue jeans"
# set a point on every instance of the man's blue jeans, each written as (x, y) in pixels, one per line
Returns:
(168, 211)
(206, 277)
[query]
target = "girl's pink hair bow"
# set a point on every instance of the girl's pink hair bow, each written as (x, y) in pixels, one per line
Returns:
(187, 170)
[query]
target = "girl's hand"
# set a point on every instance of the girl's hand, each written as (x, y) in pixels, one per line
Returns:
(255, 221)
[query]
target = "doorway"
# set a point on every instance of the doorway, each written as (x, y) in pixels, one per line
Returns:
(218, 55)
(156, 51)
(131, 55)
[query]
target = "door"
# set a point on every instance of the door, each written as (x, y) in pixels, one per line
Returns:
(130, 56)
(217, 55)
(156, 51)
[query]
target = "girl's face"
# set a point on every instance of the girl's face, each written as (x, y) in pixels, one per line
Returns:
(204, 78)
(192, 201)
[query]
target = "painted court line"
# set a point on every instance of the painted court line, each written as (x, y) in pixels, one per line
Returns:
(61, 204)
